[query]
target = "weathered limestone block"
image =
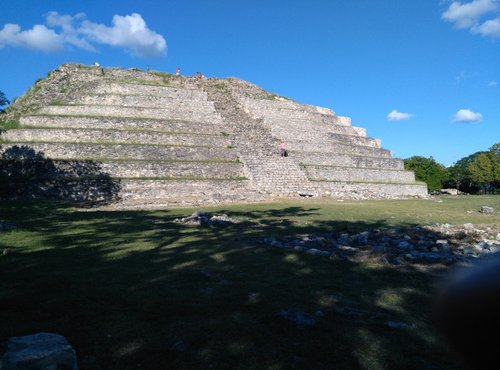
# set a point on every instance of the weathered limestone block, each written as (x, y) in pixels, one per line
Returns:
(42, 351)
(99, 152)
(354, 140)
(345, 121)
(270, 115)
(308, 130)
(146, 101)
(112, 123)
(199, 170)
(352, 190)
(346, 160)
(113, 136)
(177, 190)
(112, 111)
(359, 174)
(337, 147)
(283, 105)
(140, 89)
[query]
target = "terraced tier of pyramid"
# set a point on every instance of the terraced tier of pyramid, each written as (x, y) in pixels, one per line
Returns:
(165, 139)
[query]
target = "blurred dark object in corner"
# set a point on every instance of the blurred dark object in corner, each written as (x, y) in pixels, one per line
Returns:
(467, 313)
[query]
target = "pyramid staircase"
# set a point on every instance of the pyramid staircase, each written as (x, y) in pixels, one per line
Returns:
(177, 140)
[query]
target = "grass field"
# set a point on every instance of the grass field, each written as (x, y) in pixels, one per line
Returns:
(135, 290)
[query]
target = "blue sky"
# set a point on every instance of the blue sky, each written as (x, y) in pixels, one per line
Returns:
(423, 76)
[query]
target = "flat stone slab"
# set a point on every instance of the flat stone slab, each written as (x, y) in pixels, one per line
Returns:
(42, 351)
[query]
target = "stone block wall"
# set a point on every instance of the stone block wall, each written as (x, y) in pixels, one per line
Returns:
(331, 173)
(129, 152)
(348, 160)
(352, 190)
(116, 136)
(165, 169)
(186, 191)
(334, 148)
(124, 123)
(173, 113)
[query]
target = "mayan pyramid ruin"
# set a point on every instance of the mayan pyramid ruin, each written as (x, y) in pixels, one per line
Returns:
(159, 139)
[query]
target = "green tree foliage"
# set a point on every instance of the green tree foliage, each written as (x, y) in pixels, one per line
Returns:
(481, 170)
(427, 170)
(3, 100)
(460, 177)
(478, 172)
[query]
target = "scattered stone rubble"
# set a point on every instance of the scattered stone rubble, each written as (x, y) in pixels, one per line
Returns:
(440, 243)
(43, 351)
(486, 209)
(4, 226)
(203, 218)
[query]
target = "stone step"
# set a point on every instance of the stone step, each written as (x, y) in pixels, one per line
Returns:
(113, 137)
(276, 175)
(283, 103)
(348, 160)
(328, 139)
(312, 130)
(363, 190)
(274, 108)
(334, 148)
(175, 190)
(110, 87)
(272, 116)
(52, 121)
(123, 152)
(141, 169)
(144, 101)
(129, 112)
(359, 174)
(192, 171)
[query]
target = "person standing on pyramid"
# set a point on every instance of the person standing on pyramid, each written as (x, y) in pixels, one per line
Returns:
(282, 148)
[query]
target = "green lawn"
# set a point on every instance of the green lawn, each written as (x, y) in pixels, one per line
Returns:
(134, 290)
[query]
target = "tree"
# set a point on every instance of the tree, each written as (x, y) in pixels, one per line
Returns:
(459, 175)
(427, 170)
(481, 171)
(3, 100)
(478, 172)
(485, 169)
(495, 155)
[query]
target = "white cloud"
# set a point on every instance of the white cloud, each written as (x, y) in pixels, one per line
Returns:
(468, 14)
(398, 116)
(479, 16)
(489, 28)
(493, 83)
(466, 116)
(70, 35)
(39, 38)
(129, 32)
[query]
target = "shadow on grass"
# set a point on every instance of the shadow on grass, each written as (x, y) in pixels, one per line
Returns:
(27, 174)
(134, 290)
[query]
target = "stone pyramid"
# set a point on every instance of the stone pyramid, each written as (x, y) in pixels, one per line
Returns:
(163, 139)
